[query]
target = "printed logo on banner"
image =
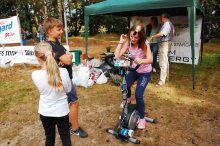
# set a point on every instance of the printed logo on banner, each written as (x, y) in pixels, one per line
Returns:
(29, 52)
(8, 53)
(5, 27)
(10, 30)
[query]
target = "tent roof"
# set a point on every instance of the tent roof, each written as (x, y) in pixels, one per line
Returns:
(142, 7)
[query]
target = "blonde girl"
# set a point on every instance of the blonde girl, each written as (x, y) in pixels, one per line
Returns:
(53, 84)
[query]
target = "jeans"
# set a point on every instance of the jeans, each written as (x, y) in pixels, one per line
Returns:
(143, 79)
(63, 128)
(154, 49)
(41, 37)
(24, 41)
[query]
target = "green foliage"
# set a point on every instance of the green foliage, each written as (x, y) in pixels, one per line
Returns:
(32, 12)
(108, 49)
(210, 6)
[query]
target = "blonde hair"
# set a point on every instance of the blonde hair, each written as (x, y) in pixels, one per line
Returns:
(50, 22)
(41, 51)
(142, 37)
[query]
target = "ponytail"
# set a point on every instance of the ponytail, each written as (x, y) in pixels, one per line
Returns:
(53, 74)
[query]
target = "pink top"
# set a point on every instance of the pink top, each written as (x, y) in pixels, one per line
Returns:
(138, 53)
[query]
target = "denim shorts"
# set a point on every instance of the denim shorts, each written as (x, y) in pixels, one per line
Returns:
(72, 96)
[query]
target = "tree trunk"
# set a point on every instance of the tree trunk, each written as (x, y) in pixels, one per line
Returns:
(27, 16)
(35, 12)
(51, 2)
(61, 18)
(45, 9)
(76, 23)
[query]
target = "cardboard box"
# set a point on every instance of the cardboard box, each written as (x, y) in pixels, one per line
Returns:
(89, 57)
(82, 60)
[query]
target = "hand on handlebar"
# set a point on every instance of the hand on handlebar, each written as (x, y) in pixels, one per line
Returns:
(138, 61)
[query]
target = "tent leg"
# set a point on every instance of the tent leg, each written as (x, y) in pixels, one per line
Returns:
(191, 18)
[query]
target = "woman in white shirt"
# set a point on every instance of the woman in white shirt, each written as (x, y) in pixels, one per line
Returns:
(53, 84)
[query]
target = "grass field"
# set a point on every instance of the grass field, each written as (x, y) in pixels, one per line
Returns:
(185, 116)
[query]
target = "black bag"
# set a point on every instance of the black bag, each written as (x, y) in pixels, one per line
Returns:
(29, 36)
(106, 68)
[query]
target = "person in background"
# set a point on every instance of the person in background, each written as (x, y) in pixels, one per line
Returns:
(24, 37)
(151, 30)
(53, 83)
(38, 37)
(41, 32)
(140, 50)
(34, 31)
(53, 27)
(164, 36)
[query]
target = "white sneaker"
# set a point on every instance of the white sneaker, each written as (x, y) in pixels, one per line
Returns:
(154, 70)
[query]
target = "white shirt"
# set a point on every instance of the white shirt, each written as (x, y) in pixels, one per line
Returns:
(167, 30)
(51, 103)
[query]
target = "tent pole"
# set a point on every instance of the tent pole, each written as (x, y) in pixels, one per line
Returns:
(202, 35)
(191, 18)
(19, 25)
(65, 22)
(86, 19)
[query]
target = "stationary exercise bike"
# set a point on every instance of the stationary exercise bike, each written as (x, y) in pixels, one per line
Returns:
(129, 116)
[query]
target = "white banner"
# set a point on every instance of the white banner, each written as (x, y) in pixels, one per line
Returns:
(10, 30)
(181, 45)
(28, 55)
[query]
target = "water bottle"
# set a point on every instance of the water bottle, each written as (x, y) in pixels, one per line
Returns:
(73, 68)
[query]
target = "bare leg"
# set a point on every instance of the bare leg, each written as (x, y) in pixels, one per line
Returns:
(74, 115)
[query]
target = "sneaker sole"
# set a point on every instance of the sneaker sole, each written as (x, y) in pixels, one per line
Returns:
(140, 127)
(79, 135)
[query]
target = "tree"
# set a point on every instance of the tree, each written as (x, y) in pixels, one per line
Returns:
(210, 7)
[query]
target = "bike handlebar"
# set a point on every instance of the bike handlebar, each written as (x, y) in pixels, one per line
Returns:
(112, 65)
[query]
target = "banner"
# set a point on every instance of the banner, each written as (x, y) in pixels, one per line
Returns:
(10, 30)
(28, 55)
(181, 45)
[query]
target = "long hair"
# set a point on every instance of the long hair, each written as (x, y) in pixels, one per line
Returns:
(148, 30)
(43, 51)
(155, 20)
(142, 37)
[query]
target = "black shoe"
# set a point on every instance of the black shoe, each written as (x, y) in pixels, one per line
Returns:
(79, 132)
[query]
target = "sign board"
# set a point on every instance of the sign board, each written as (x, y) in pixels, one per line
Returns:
(10, 30)
(181, 45)
(28, 55)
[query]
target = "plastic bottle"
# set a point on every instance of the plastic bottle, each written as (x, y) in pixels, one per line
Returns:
(73, 68)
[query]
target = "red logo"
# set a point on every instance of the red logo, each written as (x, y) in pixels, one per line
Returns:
(8, 34)
(2, 22)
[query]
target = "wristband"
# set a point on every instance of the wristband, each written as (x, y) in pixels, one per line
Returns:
(120, 43)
